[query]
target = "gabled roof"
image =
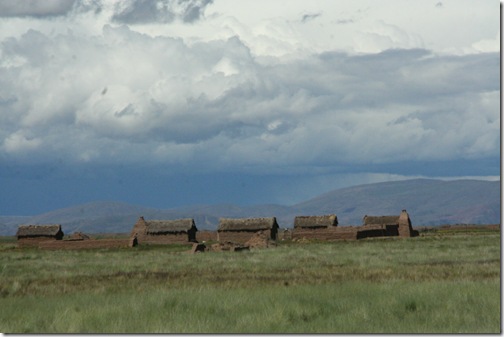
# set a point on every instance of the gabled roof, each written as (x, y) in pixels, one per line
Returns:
(381, 220)
(315, 221)
(169, 226)
(38, 230)
(247, 224)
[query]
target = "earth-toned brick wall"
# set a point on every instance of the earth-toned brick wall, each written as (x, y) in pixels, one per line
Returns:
(164, 239)
(85, 244)
(34, 242)
(327, 234)
(238, 236)
(206, 236)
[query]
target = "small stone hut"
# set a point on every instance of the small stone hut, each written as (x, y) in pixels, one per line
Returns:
(164, 231)
(389, 225)
(31, 235)
(242, 230)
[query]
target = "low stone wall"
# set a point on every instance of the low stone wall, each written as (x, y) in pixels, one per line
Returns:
(86, 244)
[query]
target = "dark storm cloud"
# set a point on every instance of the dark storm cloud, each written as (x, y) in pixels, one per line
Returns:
(195, 10)
(159, 11)
(143, 11)
(35, 8)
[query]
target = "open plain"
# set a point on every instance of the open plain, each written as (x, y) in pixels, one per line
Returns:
(443, 281)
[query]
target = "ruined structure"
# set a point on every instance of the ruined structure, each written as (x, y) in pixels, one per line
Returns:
(242, 230)
(31, 235)
(164, 231)
(78, 236)
(260, 240)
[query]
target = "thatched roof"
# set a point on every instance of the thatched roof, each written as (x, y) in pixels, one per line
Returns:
(169, 226)
(38, 230)
(315, 221)
(381, 220)
(247, 224)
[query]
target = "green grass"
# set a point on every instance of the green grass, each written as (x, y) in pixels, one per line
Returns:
(428, 284)
(348, 307)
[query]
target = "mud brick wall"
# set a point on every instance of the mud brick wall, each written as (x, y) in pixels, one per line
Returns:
(206, 236)
(284, 234)
(392, 230)
(343, 233)
(405, 228)
(34, 242)
(346, 232)
(326, 234)
(349, 233)
(238, 236)
(371, 233)
(84, 244)
(374, 230)
(311, 233)
(165, 238)
(139, 230)
(372, 227)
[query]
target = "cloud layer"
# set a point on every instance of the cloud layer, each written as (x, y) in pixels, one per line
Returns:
(127, 97)
(175, 102)
(162, 11)
(255, 100)
(46, 8)
(127, 11)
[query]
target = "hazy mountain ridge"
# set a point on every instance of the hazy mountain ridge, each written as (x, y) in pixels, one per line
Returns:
(429, 202)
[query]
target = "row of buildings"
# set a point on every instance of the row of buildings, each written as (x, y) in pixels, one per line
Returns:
(323, 227)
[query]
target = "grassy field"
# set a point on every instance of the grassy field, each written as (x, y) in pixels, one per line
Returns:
(436, 283)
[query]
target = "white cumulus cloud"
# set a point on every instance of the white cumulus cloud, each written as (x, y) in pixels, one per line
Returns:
(260, 96)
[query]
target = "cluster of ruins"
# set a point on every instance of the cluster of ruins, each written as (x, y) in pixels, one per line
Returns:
(231, 234)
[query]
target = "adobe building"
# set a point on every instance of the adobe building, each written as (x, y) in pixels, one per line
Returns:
(31, 235)
(242, 230)
(164, 231)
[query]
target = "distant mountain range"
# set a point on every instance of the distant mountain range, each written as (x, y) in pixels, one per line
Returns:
(428, 202)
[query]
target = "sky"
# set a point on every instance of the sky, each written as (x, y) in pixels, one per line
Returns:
(166, 103)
